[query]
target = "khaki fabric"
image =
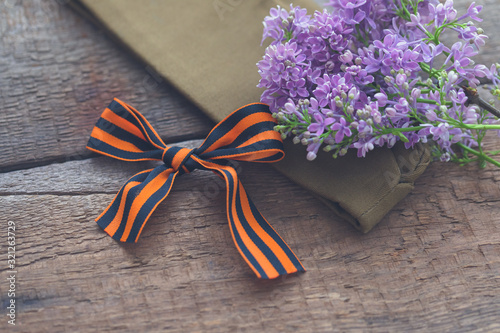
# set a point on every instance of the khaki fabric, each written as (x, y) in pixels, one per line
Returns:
(209, 50)
(360, 190)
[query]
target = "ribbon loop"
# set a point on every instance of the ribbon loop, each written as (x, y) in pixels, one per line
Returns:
(246, 134)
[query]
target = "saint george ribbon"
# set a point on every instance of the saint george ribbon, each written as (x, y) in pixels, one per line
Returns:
(245, 135)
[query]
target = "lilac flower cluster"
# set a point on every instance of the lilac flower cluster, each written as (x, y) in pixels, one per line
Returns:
(374, 72)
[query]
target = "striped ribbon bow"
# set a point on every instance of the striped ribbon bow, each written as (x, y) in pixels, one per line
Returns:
(246, 135)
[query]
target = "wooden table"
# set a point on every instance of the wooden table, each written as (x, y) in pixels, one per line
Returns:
(432, 264)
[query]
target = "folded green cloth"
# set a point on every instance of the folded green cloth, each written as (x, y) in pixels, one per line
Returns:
(208, 50)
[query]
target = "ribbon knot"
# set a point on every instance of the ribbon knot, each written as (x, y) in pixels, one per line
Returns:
(180, 159)
(246, 135)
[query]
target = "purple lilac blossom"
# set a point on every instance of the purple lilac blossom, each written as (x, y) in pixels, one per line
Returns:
(352, 77)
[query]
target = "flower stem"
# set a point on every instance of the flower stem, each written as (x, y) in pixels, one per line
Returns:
(478, 154)
(458, 125)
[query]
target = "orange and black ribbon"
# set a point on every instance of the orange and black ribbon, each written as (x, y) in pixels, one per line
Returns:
(245, 135)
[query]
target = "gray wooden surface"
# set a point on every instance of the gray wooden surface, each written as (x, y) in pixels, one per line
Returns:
(57, 72)
(432, 265)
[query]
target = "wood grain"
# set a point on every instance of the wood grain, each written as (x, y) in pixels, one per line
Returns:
(61, 73)
(432, 265)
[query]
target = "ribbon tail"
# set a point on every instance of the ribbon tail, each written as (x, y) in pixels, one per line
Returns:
(272, 254)
(263, 249)
(129, 211)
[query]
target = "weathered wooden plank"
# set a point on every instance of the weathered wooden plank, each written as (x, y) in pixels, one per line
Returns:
(58, 73)
(432, 265)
